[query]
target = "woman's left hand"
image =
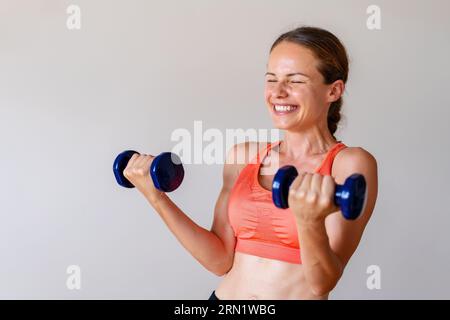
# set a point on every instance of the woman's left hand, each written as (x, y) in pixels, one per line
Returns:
(311, 197)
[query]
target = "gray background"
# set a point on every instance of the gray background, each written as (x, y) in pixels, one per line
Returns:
(137, 70)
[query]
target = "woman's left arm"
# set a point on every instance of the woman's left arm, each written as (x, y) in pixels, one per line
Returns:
(327, 240)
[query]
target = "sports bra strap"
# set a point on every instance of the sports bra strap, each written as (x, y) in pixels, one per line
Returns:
(265, 151)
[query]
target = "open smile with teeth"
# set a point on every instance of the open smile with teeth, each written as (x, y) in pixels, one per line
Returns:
(282, 109)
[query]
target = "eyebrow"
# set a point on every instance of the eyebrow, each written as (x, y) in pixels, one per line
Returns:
(288, 75)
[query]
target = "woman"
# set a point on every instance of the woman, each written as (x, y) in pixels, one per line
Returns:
(264, 252)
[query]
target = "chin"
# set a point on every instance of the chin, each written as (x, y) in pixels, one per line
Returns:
(283, 122)
(283, 125)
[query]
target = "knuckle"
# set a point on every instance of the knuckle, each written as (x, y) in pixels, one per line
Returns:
(325, 201)
(291, 197)
(300, 194)
(312, 196)
(128, 173)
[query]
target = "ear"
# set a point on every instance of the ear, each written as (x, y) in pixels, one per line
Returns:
(336, 90)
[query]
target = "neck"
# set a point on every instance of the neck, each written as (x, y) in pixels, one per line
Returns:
(306, 143)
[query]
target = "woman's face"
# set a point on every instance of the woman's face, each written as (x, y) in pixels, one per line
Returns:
(295, 93)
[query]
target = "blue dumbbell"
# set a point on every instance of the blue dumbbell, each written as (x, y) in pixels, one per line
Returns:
(166, 170)
(350, 196)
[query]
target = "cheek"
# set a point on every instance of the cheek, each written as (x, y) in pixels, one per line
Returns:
(319, 93)
(307, 95)
(267, 93)
(301, 94)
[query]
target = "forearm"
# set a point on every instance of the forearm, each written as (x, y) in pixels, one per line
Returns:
(202, 244)
(322, 266)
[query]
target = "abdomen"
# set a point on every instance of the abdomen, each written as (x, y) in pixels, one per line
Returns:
(252, 277)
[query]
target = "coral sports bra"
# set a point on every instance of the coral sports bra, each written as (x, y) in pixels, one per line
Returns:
(261, 229)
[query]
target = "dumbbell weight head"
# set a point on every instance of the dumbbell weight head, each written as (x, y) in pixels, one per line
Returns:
(351, 196)
(120, 163)
(166, 170)
(280, 186)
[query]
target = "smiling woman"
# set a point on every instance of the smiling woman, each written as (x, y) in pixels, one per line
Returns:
(262, 251)
(299, 253)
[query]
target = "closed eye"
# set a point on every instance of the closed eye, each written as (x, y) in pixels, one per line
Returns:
(289, 81)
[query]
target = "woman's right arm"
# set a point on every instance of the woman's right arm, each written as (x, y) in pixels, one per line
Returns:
(214, 248)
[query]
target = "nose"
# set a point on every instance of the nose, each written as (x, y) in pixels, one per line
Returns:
(279, 90)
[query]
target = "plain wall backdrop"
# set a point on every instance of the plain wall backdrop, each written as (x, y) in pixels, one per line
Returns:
(71, 100)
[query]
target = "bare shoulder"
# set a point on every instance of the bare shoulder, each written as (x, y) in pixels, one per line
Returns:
(350, 153)
(354, 160)
(238, 156)
(243, 153)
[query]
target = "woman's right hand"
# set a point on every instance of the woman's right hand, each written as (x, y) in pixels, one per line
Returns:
(137, 172)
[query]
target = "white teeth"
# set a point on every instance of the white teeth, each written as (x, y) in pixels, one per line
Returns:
(284, 108)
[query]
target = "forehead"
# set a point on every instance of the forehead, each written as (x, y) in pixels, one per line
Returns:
(288, 57)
